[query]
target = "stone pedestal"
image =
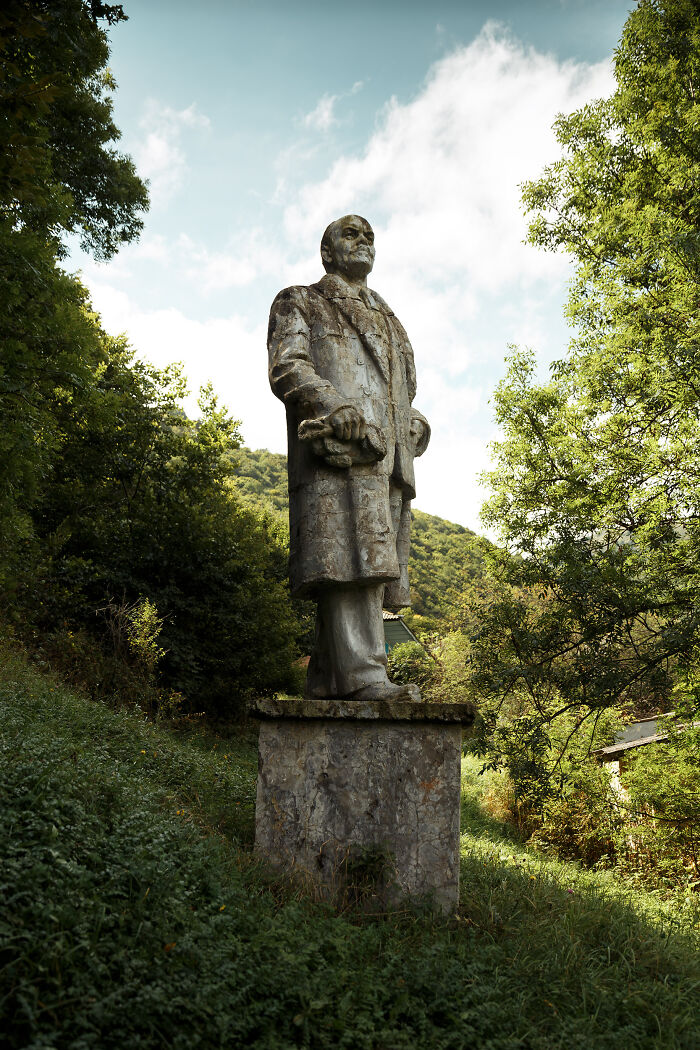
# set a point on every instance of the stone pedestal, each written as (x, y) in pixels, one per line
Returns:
(362, 798)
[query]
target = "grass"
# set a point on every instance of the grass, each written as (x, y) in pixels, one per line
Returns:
(133, 915)
(584, 943)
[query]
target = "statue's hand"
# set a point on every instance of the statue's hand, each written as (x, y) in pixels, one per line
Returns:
(348, 424)
(417, 431)
(339, 451)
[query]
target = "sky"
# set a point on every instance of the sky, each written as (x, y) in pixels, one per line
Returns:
(257, 123)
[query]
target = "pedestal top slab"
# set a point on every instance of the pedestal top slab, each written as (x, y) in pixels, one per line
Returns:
(363, 710)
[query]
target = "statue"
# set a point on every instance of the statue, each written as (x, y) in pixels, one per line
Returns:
(343, 365)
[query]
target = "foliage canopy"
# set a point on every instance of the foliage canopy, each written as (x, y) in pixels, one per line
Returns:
(597, 490)
(59, 171)
(59, 175)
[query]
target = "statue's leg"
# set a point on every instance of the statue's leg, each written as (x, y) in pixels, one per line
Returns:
(348, 652)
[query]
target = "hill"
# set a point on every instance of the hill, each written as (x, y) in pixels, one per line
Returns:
(261, 477)
(135, 915)
(443, 554)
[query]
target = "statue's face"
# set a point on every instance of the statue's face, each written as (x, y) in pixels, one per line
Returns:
(351, 248)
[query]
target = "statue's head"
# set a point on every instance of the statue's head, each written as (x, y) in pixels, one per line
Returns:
(347, 247)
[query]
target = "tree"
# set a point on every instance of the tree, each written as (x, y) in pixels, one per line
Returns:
(597, 481)
(59, 172)
(59, 175)
(139, 506)
(112, 502)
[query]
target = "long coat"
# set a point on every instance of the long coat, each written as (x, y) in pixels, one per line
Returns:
(330, 348)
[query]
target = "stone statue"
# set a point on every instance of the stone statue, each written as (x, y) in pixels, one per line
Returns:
(342, 363)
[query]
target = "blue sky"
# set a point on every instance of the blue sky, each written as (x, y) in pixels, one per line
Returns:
(258, 123)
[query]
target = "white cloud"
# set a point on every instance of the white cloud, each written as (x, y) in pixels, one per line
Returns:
(249, 256)
(445, 476)
(159, 155)
(252, 256)
(441, 173)
(440, 181)
(153, 247)
(227, 351)
(322, 117)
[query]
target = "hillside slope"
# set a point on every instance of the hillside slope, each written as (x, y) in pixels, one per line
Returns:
(443, 554)
(131, 917)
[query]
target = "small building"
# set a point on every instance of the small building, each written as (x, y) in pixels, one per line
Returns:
(639, 734)
(642, 733)
(395, 630)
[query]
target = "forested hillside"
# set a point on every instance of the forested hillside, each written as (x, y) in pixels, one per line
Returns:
(444, 557)
(261, 477)
(443, 554)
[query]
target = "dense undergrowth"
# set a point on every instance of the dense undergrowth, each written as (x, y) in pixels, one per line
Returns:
(133, 914)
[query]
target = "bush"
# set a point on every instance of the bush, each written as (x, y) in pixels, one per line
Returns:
(662, 826)
(410, 663)
(579, 826)
(450, 680)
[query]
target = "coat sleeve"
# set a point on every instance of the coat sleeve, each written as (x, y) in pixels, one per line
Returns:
(293, 377)
(410, 372)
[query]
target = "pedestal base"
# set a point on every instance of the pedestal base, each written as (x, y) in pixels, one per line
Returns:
(363, 798)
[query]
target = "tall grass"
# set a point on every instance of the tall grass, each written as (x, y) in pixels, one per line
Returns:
(134, 916)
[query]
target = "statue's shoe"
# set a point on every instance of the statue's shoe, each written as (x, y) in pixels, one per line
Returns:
(387, 691)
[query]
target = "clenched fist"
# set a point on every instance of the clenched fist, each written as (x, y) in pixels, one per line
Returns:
(348, 424)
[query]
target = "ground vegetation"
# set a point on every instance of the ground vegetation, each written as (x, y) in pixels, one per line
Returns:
(127, 844)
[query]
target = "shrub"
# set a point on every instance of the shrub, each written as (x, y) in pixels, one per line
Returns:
(662, 828)
(409, 662)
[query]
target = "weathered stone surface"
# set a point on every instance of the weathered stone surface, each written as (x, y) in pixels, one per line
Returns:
(364, 805)
(343, 365)
(403, 710)
(359, 789)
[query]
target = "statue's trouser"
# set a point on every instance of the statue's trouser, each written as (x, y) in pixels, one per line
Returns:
(348, 651)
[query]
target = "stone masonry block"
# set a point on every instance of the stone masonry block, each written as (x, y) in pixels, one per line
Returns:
(362, 799)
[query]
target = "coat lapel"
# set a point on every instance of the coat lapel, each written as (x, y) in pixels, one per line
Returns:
(360, 316)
